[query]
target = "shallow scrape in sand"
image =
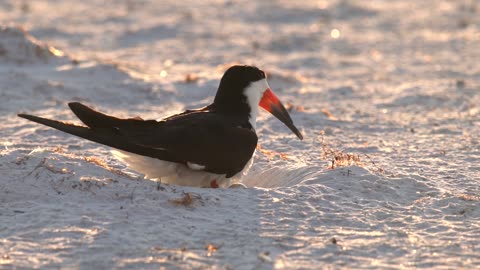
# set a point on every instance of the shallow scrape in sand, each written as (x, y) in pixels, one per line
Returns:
(385, 92)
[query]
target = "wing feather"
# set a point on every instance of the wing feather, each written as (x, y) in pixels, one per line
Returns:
(199, 137)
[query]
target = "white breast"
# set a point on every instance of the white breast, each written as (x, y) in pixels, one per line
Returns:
(172, 173)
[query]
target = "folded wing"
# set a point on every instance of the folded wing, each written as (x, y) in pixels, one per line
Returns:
(198, 138)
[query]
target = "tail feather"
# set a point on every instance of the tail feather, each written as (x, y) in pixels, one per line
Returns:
(95, 119)
(91, 117)
(107, 136)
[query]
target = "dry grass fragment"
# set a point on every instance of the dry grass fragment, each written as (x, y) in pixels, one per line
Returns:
(265, 256)
(211, 248)
(97, 162)
(104, 165)
(339, 158)
(272, 154)
(59, 149)
(377, 168)
(328, 114)
(468, 197)
(342, 159)
(53, 169)
(185, 200)
(191, 78)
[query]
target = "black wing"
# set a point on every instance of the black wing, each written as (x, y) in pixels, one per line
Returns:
(215, 141)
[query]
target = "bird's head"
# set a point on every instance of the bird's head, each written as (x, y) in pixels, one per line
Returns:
(243, 89)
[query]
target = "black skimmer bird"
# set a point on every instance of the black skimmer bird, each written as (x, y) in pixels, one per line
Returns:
(206, 147)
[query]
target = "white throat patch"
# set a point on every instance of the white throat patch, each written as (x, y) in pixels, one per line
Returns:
(254, 93)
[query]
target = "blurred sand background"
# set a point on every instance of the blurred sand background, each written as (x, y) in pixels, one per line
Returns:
(386, 93)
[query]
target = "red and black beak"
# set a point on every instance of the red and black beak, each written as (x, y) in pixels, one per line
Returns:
(272, 104)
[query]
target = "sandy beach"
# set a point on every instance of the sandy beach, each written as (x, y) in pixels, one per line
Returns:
(386, 94)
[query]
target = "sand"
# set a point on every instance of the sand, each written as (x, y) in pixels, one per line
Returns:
(386, 94)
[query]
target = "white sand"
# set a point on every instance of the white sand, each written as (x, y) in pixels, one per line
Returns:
(398, 81)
